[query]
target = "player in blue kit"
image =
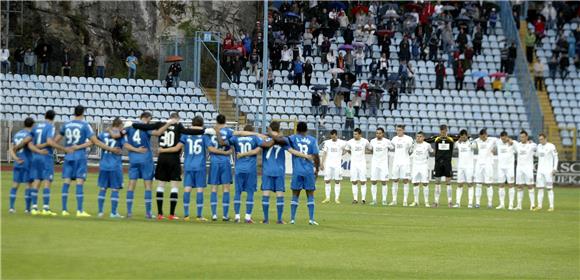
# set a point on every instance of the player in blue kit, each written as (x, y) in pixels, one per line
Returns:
(78, 136)
(220, 169)
(111, 168)
(22, 158)
(42, 166)
(141, 165)
(304, 171)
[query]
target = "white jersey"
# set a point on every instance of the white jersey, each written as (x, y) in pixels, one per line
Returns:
(333, 151)
(381, 151)
(505, 155)
(421, 152)
(357, 150)
(547, 158)
(465, 157)
(484, 151)
(525, 152)
(402, 146)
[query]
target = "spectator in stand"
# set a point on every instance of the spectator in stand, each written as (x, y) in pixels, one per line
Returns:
(439, 75)
(237, 70)
(539, 27)
(384, 66)
(228, 42)
(571, 45)
(4, 61)
(404, 52)
(374, 68)
(477, 40)
(372, 101)
(447, 38)
(325, 49)
(512, 55)
(359, 34)
(254, 60)
(349, 61)
(504, 56)
(101, 63)
(131, 62)
(410, 78)
(324, 102)
(564, 63)
(433, 46)
(298, 68)
(334, 83)
(530, 45)
(393, 97)
(340, 61)
(386, 46)
(497, 85)
(89, 63)
(480, 84)
(330, 60)
(44, 58)
(492, 21)
(468, 55)
(276, 56)
(459, 76)
(66, 62)
(342, 20)
(308, 69)
(349, 120)
(169, 79)
(348, 35)
(19, 59)
(315, 102)
(270, 80)
(30, 62)
(175, 69)
(416, 48)
(539, 74)
(461, 40)
(553, 66)
(357, 102)
(549, 13)
(307, 42)
(403, 74)
(359, 62)
(286, 57)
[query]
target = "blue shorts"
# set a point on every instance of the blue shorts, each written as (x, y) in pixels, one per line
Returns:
(42, 168)
(300, 182)
(220, 173)
(144, 170)
(274, 183)
(194, 179)
(21, 175)
(111, 179)
(246, 182)
(74, 169)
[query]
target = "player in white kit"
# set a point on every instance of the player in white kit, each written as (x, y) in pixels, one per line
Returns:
(331, 165)
(525, 150)
(547, 167)
(420, 170)
(484, 167)
(358, 164)
(504, 149)
(465, 164)
(380, 164)
(401, 162)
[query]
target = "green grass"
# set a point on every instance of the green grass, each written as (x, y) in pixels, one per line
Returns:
(353, 241)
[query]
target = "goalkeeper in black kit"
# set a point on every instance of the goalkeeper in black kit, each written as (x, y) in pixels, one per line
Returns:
(443, 154)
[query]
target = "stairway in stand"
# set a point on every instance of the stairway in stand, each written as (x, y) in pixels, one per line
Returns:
(227, 106)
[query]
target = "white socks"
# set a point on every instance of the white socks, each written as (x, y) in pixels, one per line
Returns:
(405, 193)
(426, 194)
(478, 193)
(384, 193)
(327, 190)
(540, 197)
(394, 190)
(551, 197)
(458, 195)
(520, 197)
(501, 192)
(532, 196)
(374, 192)
(512, 194)
(363, 190)
(336, 191)
(449, 194)
(416, 194)
(437, 193)
(469, 195)
(354, 192)
(489, 196)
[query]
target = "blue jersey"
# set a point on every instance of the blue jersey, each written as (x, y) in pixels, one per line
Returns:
(41, 133)
(110, 161)
(226, 134)
(76, 132)
(274, 160)
(24, 154)
(139, 138)
(195, 151)
(307, 145)
(244, 145)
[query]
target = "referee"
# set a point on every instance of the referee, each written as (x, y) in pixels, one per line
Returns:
(443, 154)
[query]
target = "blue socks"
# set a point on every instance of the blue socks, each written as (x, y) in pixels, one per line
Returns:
(64, 194)
(34, 198)
(237, 202)
(101, 199)
(80, 197)
(266, 206)
(199, 203)
(148, 197)
(114, 201)
(46, 198)
(213, 203)
(280, 207)
(27, 198)
(310, 203)
(250, 203)
(186, 202)
(293, 207)
(226, 204)
(12, 197)
(130, 195)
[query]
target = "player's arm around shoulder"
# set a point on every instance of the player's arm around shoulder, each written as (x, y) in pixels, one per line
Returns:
(131, 148)
(173, 149)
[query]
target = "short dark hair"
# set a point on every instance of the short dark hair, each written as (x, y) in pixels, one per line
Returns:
(221, 119)
(145, 115)
(174, 115)
(524, 132)
(443, 127)
(333, 132)
(503, 133)
(79, 110)
(275, 126)
(401, 126)
(197, 121)
(28, 122)
(117, 122)
(357, 130)
(420, 133)
(483, 131)
(380, 129)
(542, 135)
(463, 132)
(302, 127)
(248, 127)
(49, 115)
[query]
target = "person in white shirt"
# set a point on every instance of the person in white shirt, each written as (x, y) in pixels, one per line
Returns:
(4, 61)
(504, 149)
(547, 168)
(420, 170)
(465, 165)
(401, 162)
(358, 164)
(525, 150)
(331, 165)
(484, 167)
(380, 164)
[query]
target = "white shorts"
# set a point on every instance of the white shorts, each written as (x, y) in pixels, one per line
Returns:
(420, 174)
(465, 175)
(332, 173)
(380, 173)
(358, 173)
(401, 172)
(524, 176)
(505, 175)
(544, 179)
(483, 174)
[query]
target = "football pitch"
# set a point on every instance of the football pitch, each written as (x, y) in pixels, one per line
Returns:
(352, 241)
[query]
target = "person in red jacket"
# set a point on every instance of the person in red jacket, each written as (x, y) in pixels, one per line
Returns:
(539, 27)
(459, 75)
(439, 75)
